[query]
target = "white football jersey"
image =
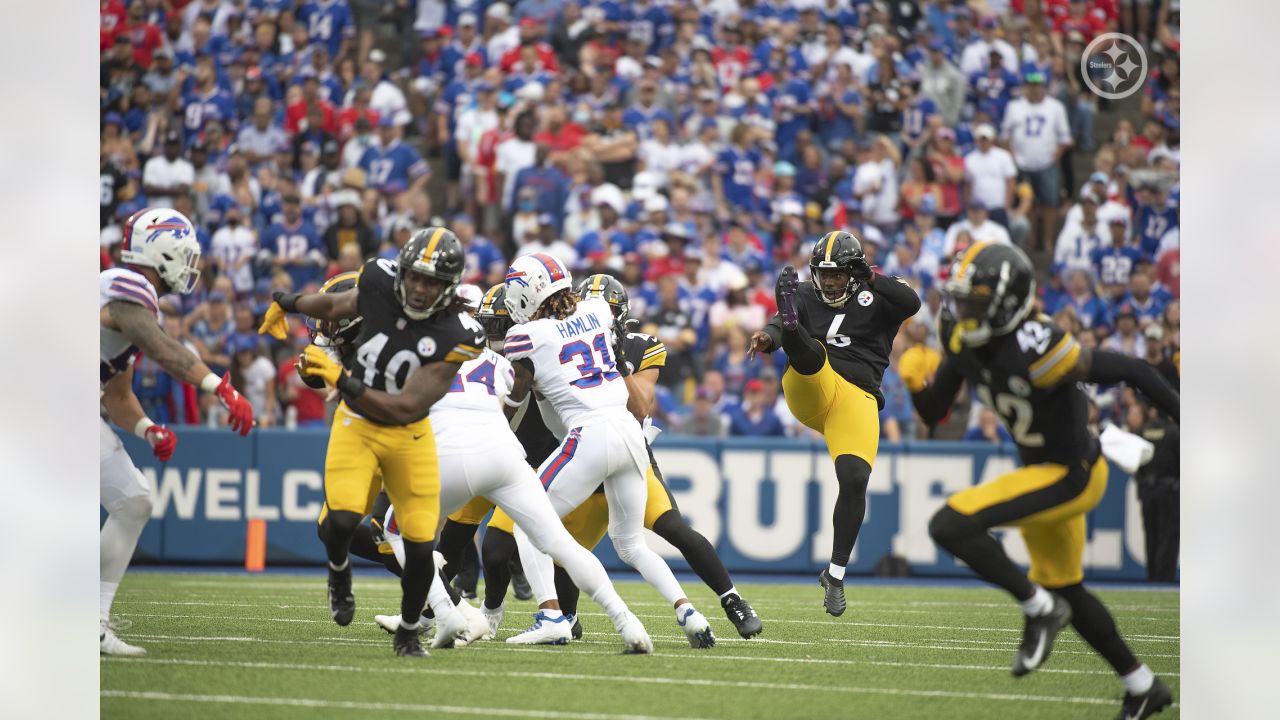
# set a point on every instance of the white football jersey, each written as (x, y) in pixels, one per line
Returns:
(469, 417)
(573, 362)
(115, 350)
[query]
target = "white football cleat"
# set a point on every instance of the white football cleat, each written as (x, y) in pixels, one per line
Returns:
(451, 630)
(111, 644)
(494, 618)
(477, 623)
(391, 622)
(546, 631)
(695, 627)
(635, 641)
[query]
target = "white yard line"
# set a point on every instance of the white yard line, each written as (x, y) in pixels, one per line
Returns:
(381, 706)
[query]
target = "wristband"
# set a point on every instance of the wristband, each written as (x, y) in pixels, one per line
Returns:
(287, 301)
(350, 387)
(210, 383)
(140, 429)
(506, 400)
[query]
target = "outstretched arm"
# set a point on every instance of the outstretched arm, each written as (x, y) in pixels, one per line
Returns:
(1106, 368)
(933, 399)
(321, 306)
(139, 325)
(424, 387)
(899, 296)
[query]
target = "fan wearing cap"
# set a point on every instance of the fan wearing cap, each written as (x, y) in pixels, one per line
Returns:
(293, 244)
(1039, 134)
(413, 338)
(168, 174)
(1078, 241)
(837, 331)
(1028, 371)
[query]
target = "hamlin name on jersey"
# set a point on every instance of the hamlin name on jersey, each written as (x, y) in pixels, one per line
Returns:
(115, 350)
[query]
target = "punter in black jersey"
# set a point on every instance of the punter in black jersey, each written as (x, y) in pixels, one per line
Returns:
(413, 337)
(1027, 371)
(642, 358)
(838, 331)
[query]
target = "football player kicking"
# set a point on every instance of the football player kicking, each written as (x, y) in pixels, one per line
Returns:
(1027, 370)
(413, 338)
(640, 359)
(562, 348)
(480, 457)
(161, 256)
(837, 332)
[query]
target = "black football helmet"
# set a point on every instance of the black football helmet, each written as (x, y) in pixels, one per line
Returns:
(840, 251)
(494, 317)
(991, 290)
(337, 332)
(609, 289)
(435, 252)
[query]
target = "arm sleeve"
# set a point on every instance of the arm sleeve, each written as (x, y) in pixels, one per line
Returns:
(773, 329)
(901, 300)
(934, 402)
(1108, 368)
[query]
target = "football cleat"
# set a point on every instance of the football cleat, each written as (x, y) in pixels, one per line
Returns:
(494, 618)
(576, 630)
(110, 644)
(342, 602)
(391, 622)
(833, 601)
(408, 643)
(635, 641)
(477, 622)
(1154, 700)
(784, 293)
(1038, 636)
(545, 631)
(520, 585)
(742, 615)
(696, 628)
(451, 630)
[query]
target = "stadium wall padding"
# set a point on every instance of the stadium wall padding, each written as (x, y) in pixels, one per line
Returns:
(764, 503)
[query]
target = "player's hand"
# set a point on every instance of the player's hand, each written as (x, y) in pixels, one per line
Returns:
(913, 368)
(162, 441)
(239, 411)
(275, 323)
(861, 272)
(317, 363)
(760, 342)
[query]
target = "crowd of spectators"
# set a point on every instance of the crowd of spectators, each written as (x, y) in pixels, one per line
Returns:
(688, 148)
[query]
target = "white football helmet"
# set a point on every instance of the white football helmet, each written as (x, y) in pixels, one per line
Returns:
(532, 279)
(163, 239)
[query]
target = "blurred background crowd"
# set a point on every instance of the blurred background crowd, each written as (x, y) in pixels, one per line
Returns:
(688, 148)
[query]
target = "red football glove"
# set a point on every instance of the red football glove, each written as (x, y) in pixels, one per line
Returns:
(240, 412)
(162, 441)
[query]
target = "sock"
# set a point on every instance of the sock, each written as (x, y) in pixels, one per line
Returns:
(409, 626)
(415, 584)
(805, 354)
(106, 596)
(496, 553)
(339, 568)
(696, 550)
(1139, 681)
(1093, 621)
(681, 606)
(454, 538)
(551, 614)
(835, 572)
(337, 530)
(1039, 604)
(567, 592)
(364, 546)
(731, 591)
(967, 538)
(438, 597)
(852, 473)
(539, 570)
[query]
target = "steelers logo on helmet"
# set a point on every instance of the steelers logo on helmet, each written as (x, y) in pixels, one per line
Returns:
(436, 253)
(838, 252)
(865, 298)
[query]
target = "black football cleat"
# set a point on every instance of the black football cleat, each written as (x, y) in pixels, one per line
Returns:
(342, 603)
(408, 643)
(742, 615)
(833, 601)
(784, 292)
(1038, 636)
(1137, 707)
(520, 585)
(576, 630)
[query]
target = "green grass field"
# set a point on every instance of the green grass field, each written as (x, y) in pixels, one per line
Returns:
(237, 646)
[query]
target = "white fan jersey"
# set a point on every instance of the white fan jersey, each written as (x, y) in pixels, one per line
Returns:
(469, 417)
(573, 362)
(115, 350)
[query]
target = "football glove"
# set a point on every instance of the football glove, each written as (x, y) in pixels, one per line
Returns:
(162, 441)
(317, 363)
(239, 411)
(914, 369)
(275, 323)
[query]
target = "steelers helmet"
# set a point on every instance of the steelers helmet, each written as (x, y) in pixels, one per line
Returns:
(992, 288)
(435, 252)
(840, 251)
(609, 289)
(337, 332)
(493, 315)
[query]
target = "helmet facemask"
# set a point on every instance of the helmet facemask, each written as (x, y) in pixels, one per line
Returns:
(447, 285)
(817, 269)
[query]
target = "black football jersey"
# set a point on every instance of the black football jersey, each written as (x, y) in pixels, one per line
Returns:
(641, 352)
(534, 437)
(859, 335)
(1020, 377)
(391, 346)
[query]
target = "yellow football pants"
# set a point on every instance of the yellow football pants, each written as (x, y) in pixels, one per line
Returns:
(847, 416)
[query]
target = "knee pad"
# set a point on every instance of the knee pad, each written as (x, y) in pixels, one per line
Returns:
(136, 509)
(947, 525)
(853, 473)
(628, 548)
